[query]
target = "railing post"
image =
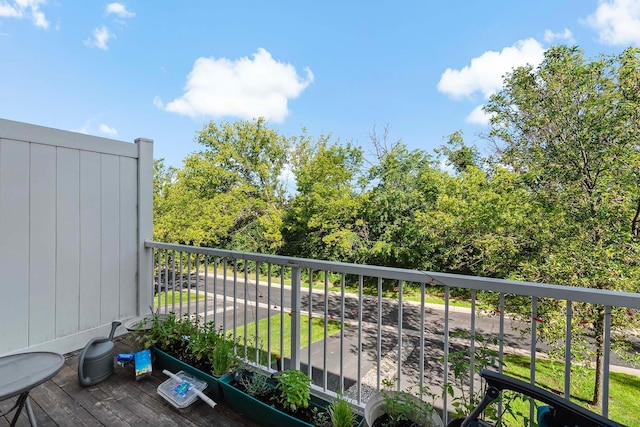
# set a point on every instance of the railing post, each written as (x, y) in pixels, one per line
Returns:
(295, 317)
(145, 224)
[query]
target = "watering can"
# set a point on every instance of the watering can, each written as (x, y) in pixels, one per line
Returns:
(95, 362)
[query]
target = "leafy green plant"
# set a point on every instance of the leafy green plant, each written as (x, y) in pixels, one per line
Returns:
(402, 407)
(294, 389)
(211, 346)
(223, 357)
(485, 356)
(201, 343)
(167, 332)
(341, 412)
(255, 383)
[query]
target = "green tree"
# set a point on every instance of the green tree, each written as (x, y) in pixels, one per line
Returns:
(459, 155)
(569, 129)
(482, 223)
(163, 180)
(403, 184)
(230, 194)
(322, 219)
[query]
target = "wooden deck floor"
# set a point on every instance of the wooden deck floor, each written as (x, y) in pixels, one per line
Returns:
(118, 401)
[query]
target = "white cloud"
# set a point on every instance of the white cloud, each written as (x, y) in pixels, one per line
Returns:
(485, 73)
(101, 37)
(245, 87)
(25, 8)
(88, 128)
(120, 10)
(617, 22)
(8, 11)
(85, 128)
(566, 35)
(478, 116)
(158, 102)
(107, 130)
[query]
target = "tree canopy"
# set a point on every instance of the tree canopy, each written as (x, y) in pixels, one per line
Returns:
(569, 131)
(557, 201)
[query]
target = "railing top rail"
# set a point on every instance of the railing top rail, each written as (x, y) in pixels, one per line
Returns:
(541, 290)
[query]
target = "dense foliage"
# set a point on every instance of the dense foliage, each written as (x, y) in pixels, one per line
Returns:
(558, 201)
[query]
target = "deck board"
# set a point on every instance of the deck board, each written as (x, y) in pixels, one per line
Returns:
(117, 401)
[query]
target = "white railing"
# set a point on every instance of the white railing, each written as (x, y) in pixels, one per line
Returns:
(378, 338)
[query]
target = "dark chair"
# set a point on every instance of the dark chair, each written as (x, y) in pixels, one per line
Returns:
(559, 413)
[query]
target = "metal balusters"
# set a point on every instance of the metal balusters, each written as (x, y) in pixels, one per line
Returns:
(197, 284)
(257, 318)
(169, 260)
(269, 279)
(342, 285)
(295, 317)
(445, 368)
(160, 278)
(326, 332)
(399, 373)
(532, 363)
(310, 325)
(359, 352)
(501, 335)
(422, 309)
(379, 352)
(606, 358)
(215, 291)
(235, 297)
(224, 295)
(567, 350)
(188, 284)
(472, 350)
(181, 284)
(173, 282)
(501, 343)
(206, 288)
(245, 298)
(282, 271)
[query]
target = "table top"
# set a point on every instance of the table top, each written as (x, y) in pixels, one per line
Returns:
(24, 371)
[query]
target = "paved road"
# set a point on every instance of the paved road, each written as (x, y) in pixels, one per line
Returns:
(235, 308)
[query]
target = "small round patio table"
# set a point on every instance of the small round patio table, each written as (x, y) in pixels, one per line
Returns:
(20, 373)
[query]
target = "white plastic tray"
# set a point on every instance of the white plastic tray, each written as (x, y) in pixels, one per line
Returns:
(179, 394)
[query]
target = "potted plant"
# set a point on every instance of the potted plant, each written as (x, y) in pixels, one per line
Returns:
(294, 390)
(341, 413)
(281, 399)
(214, 349)
(391, 408)
(178, 344)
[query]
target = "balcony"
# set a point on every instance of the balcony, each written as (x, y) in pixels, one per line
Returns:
(399, 338)
(76, 252)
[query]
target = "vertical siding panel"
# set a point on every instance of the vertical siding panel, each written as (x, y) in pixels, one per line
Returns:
(128, 237)
(110, 238)
(90, 223)
(14, 255)
(42, 244)
(68, 241)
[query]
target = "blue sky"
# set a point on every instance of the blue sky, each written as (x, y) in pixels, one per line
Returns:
(162, 69)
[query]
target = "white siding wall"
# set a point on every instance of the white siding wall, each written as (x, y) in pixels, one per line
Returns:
(70, 235)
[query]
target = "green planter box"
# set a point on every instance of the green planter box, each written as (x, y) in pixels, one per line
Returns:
(264, 414)
(163, 360)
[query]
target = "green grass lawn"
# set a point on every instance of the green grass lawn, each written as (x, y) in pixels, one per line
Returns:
(170, 297)
(410, 293)
(317, 333)
(624, 389)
